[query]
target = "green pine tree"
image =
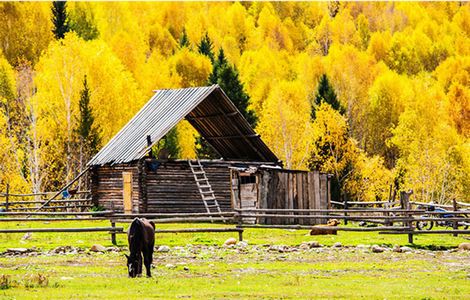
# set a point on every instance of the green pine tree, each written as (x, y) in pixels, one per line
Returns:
(168, 146)
(60, 19)
(184, 40)
(206, 48)
(326, 93)
(88, 133)
(226, 76)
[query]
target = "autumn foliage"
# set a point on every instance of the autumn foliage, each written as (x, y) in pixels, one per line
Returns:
(400, 73)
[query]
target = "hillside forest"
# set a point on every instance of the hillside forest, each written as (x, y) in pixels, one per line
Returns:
(376, 94)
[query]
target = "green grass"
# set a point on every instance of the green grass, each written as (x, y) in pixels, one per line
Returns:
(252, 273)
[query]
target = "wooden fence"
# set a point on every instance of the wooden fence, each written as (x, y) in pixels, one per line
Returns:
(77, 201)
(396, 221)
(389, 217)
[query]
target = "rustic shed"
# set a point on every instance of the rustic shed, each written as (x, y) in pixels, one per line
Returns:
(125, 178)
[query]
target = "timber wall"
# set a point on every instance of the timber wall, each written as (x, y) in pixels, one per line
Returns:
(172, 188)
(107, 187)
(283, 189)
(169, 187)
(286, 189)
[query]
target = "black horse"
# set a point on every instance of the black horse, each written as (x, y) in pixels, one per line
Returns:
(141, 237)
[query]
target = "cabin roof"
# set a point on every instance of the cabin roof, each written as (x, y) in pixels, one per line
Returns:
(210, 112)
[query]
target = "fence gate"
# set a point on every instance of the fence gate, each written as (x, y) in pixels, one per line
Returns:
(127, 191)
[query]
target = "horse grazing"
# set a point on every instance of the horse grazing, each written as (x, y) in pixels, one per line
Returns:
(141, 237)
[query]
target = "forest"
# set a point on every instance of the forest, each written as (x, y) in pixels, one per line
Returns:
(376, 94)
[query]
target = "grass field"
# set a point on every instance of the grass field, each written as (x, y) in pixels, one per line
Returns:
(198, 267)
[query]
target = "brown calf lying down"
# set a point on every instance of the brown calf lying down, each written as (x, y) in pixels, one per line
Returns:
(323, 229)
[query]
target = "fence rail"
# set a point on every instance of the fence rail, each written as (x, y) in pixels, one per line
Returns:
(38, 194)
(390, 220)
(75, 201)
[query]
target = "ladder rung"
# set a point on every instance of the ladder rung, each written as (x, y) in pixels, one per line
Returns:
(210, 198)
(207, 192)
(201, 179)
(197, 173)
(204, 186)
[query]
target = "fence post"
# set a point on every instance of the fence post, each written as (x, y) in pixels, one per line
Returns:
(455, 225)
(113, 233)
(345, 208)
(239, 225)
(405, 205)
(6, 197)
(386, 214)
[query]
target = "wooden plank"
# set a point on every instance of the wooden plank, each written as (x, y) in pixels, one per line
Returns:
(91, 229)
(305, 193)
(427, 232)
(370, 210)
(278, 191)
(284, 192)
(311, 193)
(127, 191)
(41, 213)
(300, 194)
(316, 185)
(323, 195)
(266, 180)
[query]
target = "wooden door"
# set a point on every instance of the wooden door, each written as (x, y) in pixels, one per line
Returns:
(127, 191)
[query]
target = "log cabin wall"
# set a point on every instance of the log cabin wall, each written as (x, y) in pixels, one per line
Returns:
(107, 186)
(171, 187)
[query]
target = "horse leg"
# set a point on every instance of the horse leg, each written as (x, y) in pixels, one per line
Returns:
(139, 264)
(148, 260)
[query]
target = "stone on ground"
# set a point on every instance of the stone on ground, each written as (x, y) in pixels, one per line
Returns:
(377, 249)
(405, 249)
(18, 250)
(98, 248)
(242, 244)
(310, 244)
(230, 241)
(163, 248)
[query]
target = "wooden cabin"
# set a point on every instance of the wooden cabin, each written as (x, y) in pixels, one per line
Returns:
(125, 178)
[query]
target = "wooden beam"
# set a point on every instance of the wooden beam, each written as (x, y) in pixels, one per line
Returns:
(90, 229)
(427, 232)
(228, 137)
(230, 114)
(51, 219)
(42, 213)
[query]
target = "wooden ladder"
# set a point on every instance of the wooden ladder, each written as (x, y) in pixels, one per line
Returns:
(205, 189)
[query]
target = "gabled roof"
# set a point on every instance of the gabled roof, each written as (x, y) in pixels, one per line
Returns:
(208, 109)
